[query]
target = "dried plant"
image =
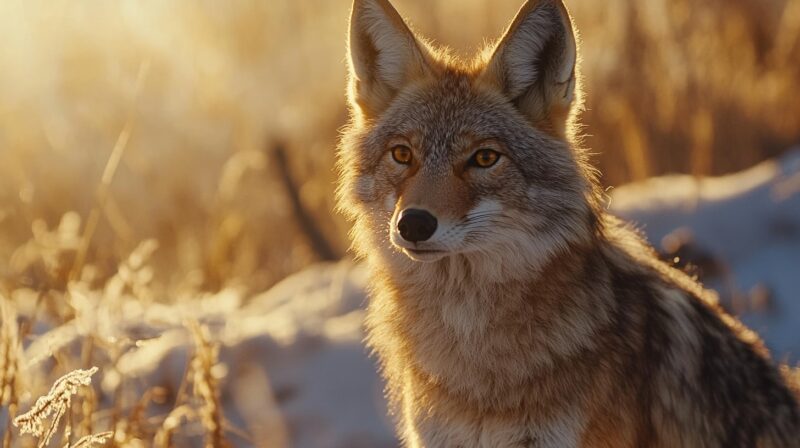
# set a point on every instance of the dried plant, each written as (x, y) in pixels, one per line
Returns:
(88, 405)
(9, 363)
(163, 438)
(92, 440)
(56, 403)
(206, 385)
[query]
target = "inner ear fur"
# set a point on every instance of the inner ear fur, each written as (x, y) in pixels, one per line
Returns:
(534, 64)
(384, 56)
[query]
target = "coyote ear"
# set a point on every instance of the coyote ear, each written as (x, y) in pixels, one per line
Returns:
(534, 63)
(384, 55)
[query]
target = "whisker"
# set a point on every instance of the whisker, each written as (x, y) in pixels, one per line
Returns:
(474, 216)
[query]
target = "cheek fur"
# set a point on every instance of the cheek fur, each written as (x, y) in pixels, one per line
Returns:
(505, 184)
(365, 188)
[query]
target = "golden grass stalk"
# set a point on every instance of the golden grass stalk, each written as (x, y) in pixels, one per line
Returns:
(88, 405)
(206, 385)
(9, 364)
(9, 340)
(92, 440)
(56, 403)
(163, 438)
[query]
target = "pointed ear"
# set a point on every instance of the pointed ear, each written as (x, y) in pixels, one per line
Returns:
(534, 63)
(384, 55)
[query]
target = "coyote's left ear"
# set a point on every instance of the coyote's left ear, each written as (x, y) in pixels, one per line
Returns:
(384, 56)
(534, 63)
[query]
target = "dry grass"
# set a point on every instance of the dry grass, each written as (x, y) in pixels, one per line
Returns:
(136, 162)
(9, 364)
(53, 407)
(205, 381)
(93, 440)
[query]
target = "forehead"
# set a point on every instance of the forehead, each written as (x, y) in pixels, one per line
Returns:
(451, 107)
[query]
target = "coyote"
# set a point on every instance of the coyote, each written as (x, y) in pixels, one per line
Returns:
(508, 308)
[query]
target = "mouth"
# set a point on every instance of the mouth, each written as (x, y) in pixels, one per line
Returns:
(425, 255)
(422, 251)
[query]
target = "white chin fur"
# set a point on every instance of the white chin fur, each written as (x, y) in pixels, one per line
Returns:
(425, 257)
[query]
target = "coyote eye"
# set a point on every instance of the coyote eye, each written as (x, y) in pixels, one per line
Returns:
(401, 154)
(484, 158)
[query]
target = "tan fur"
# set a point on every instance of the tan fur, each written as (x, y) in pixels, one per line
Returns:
(537, 319)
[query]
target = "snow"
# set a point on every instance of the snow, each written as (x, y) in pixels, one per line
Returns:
(337, 398)
(294, 361)
(299, 347)
(750, 222)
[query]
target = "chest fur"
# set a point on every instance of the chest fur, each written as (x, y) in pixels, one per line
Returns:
(564, 430)
(486, 341)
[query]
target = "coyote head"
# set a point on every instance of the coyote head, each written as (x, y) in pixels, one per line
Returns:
(446, 159)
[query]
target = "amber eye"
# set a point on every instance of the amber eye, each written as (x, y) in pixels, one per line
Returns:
(402, 154)
(484, 158)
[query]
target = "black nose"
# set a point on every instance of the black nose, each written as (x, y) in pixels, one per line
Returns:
(416, 225)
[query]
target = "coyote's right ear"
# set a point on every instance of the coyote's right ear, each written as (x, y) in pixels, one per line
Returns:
(384, 55)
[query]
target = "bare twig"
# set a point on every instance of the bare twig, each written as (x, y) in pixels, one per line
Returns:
(103, 189)
(319, 244)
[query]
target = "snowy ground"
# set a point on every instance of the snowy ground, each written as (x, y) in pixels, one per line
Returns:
(296, 348)
(745, 228)
(296, 368)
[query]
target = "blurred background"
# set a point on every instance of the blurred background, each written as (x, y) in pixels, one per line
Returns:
(132, 120)
(183, 149)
